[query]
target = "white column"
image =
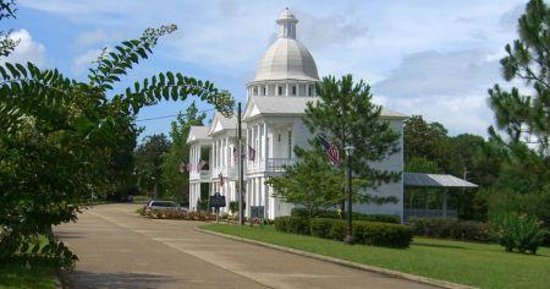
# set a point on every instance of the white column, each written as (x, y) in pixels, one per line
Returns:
(287, 89)
(266, 199)
(258, 145)
(264, 147)
(245, 148)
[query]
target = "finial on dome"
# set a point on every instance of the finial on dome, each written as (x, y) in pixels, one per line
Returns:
(287, 22)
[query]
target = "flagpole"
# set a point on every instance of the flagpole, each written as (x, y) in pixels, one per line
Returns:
(241, 157)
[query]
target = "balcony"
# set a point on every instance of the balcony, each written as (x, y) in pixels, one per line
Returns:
(278, 164)
(429, 213)
(205, 175)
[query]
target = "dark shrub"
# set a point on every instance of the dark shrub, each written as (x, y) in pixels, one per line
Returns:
(281, 223)
(298, 226)
(320, 227)
(292, 225)
(330, 214)
(382, 234)
(451, 229)
(544, 237)
(517, 232)
(338, 230)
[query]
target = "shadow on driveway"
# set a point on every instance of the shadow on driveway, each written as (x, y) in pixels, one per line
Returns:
(122, 280)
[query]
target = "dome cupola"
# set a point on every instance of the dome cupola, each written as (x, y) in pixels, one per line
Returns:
(287, 68)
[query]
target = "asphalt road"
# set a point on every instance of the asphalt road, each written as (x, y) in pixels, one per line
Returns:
(119, 249)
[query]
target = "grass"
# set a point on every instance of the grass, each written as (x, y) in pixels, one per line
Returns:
(19, 276)
(479, 265)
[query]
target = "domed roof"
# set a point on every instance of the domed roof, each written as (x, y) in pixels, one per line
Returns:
(287, 58)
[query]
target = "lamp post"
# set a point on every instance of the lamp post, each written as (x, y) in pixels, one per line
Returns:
(349, 236)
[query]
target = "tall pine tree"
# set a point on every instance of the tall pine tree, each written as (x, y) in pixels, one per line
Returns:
(346, 115)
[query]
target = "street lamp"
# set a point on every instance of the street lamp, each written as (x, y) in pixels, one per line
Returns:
(349, 237)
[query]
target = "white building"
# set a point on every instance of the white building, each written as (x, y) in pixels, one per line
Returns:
(272, 126)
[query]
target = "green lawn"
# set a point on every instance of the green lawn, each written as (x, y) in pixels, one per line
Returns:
(480, 265)
(17, 276)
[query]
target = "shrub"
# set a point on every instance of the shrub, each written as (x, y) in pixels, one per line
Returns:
(451, 229)
(369, 233)
(281, 223)
(517, 232)
(338, 230)
(331, 214)
(292, 225)
(544, 237)
(298, 226)
(177, 215)
(382, 234)
(234, 207)
(320, 227)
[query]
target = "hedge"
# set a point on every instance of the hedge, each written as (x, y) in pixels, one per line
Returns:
(330, 214)
(293, 225)
(451, 229)
(369, 233)
(544, 237)
(382, 234)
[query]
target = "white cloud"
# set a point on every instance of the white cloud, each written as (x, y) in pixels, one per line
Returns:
(450, 88)
(91, 37)
(429, 57)
(85, 59)
(27, 49)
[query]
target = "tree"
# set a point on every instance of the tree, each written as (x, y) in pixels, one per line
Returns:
(176, 182)
(422, 139)
(346, 115)
(311, 183)
(149, 158)
(7, 44)
(59, 139)
(524, 117)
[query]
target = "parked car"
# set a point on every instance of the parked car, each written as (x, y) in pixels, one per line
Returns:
(164, 206)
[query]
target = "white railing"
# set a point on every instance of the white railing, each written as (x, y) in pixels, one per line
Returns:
(278, 164)
(429, 213)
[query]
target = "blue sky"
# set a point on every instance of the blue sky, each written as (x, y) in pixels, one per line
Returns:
(435, 58)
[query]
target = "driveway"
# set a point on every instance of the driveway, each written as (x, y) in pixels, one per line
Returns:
(119, 249)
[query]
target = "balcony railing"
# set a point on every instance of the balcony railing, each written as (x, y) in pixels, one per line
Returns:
(205, 175)
(278, 164)
(430, 213)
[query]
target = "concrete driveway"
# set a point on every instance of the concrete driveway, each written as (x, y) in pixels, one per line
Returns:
(119, 249)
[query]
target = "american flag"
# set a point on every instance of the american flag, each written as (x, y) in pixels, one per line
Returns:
(200, 165)
(221, 180)
(332, 152)
(189, 167)
(251, 153)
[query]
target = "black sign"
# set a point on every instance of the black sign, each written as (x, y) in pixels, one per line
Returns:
(217, 201)
(257, 212)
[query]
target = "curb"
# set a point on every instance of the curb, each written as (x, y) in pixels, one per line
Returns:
(387, 272)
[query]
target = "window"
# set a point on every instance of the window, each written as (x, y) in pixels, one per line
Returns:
(265, 91)
(310, 90)
(255, 91)
(280, 90)
(294, 90)
(279, 138)
(289, 144)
